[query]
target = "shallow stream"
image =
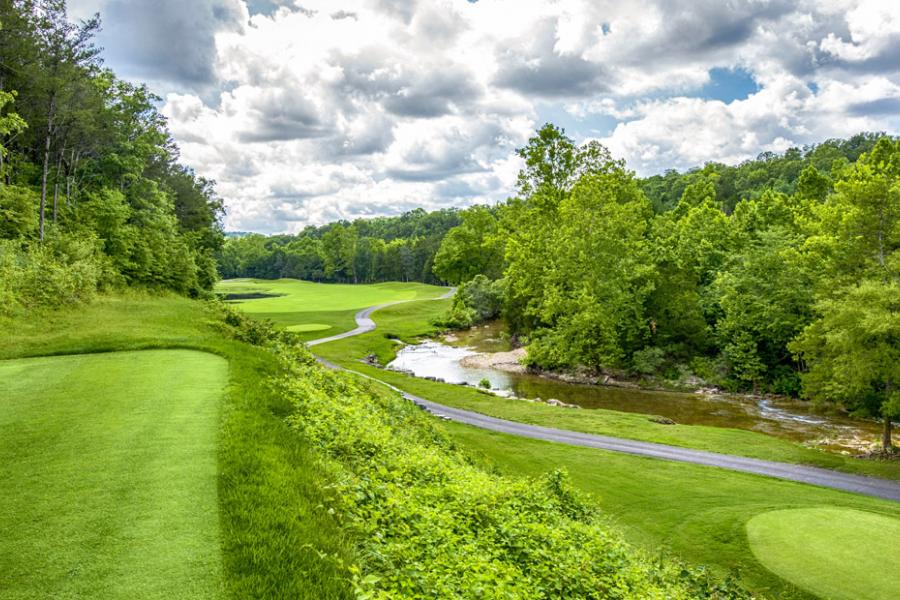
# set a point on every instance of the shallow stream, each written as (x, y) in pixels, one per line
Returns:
(784, 418)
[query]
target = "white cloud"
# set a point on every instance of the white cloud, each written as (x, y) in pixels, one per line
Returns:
(325, 109)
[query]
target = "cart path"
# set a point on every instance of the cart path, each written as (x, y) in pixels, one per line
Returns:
(860, 484)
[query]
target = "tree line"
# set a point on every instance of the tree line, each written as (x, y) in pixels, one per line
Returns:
(782, 279)
(91, 190)
(399, 248)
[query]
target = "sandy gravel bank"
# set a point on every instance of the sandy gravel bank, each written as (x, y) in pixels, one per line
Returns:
(502, 361)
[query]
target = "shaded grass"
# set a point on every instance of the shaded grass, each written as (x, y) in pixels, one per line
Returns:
(836, 553)
(108, 463)
(411, 320)
(698, 513)
(277, 540)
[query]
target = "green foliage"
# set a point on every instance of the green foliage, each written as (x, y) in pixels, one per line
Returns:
(648, 361)
(475, 301)
(852, 348)
(581, 315)
(10, 122)
(431, 525)
(366, 251)
(807, 171)
(472, 248)
(96, 160)
(18, 212)
(64, 270)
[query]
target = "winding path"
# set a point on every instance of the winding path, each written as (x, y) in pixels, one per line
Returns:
(869, 486)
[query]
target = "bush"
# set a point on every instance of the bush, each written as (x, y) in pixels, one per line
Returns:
(18, 211)
(476, 301)
(62, 270)
(648, 361)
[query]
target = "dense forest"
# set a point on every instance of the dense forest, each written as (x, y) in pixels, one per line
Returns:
(92, 194)
(364, 251)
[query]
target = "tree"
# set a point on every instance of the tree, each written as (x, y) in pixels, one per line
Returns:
(10, 123)
(853, 352)
(472, 248)
(553, 163)
(853, 349)
(584, 286)
(812, 184)
(339, 249)
(66, 51)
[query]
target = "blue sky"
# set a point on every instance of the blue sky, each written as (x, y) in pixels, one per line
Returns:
(311, 110)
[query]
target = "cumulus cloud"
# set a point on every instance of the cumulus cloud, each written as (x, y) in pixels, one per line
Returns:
(168, 42)
(313, 110)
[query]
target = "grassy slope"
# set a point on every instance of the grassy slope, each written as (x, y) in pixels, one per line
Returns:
(697, 513)
(109, 467)
(815, 547)
(276, 540)
(409, 320)
(302, 302)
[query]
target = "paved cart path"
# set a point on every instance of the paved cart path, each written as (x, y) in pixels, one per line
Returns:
(860, 484)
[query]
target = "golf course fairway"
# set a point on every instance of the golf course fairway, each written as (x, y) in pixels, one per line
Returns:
(108, 472)
(307, 308)
(830, 551)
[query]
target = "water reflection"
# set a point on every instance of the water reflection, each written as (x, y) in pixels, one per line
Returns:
(789, 419)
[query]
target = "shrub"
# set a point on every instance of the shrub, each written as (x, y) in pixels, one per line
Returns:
(64, 269)
(476, 301)
(18, 211)
(648, 361)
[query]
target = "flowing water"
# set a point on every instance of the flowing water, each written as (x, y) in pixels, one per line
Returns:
(785, 418)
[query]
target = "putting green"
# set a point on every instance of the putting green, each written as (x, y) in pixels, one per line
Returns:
(835, 553)
(308, 327)
(108, 475)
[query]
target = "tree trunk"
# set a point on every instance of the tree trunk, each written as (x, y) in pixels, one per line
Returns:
(886, 434)
(46, 164)
(56, 188)
(44, 183)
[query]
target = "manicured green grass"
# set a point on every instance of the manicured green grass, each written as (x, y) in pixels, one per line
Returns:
(332, 304)
(277, 540)
(406, 322)
(694, 512)
(306, 327)
(108, 466)
(836, 553)
(409, 320)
